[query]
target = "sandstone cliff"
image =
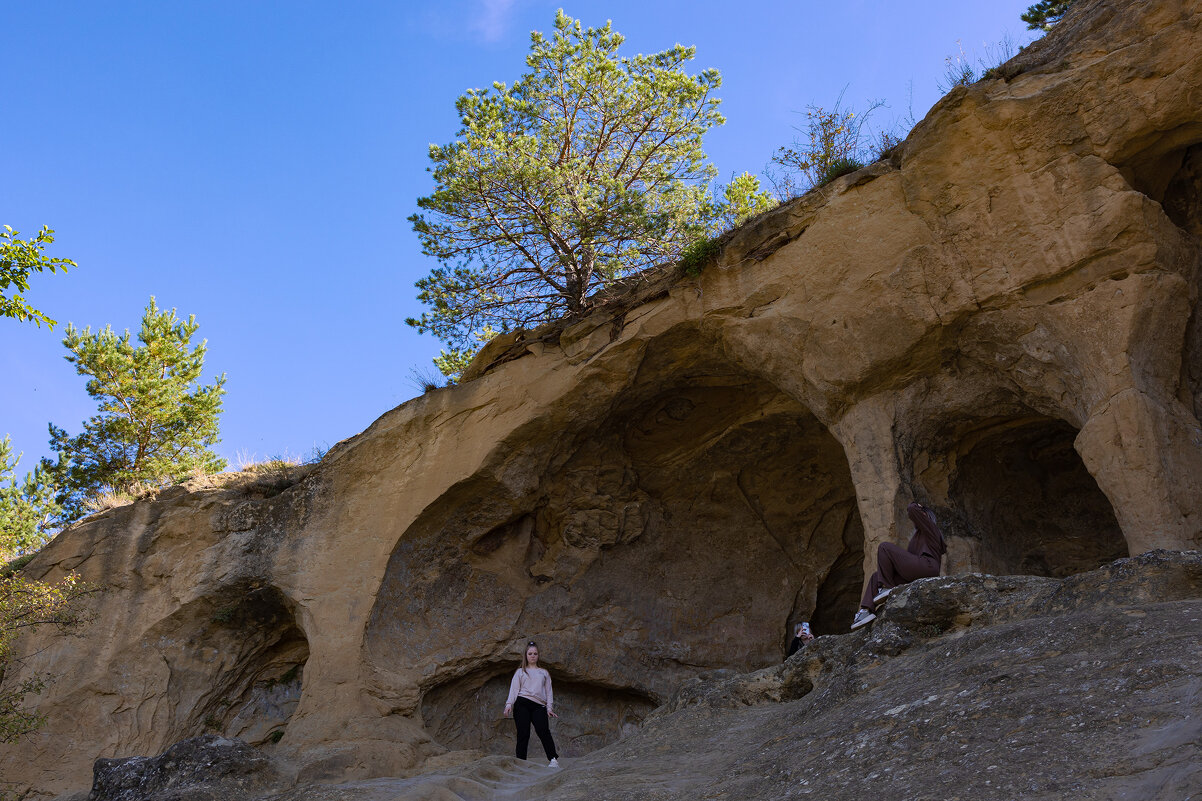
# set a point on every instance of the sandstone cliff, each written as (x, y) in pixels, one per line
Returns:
(968, 687)
(1001, 320)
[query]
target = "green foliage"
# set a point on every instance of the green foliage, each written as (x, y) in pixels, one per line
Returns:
(1044, 14)
(832, 140)
(18, 259)
(27, 508)
(13, 565)
(742, 199)
(156, 420)
(276, 735)
(959, 69)
(588, 167)
(451, 363)
(24, 606)
(698, 255)
(225, 614)
(838, 167)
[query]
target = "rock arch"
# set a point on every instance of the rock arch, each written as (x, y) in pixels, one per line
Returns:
(678, 528)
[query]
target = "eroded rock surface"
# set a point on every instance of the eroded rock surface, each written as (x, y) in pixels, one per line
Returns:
(977, 686)
(1000, 320)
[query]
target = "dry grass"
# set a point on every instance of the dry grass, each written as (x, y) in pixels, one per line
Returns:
(141, 491)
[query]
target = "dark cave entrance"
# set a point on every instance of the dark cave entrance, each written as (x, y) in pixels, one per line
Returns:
(677, 531)
(236, 665)
(1021, 494)
(737, 471)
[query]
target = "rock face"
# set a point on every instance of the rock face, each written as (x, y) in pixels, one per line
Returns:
(975, 686)
(1000, 320)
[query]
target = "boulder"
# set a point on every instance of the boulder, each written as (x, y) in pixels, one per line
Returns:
(205, 768)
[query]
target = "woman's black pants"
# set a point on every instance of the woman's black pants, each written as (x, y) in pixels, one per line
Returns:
(526, 712)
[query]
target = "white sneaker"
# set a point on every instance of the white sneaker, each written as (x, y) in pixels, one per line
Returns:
(554, 763)
(863, 618)
(882, 595)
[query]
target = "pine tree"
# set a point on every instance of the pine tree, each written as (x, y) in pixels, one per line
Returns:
(742, 199)
(156, 420)
(1044, 14)
(27, 507)
(587, 168)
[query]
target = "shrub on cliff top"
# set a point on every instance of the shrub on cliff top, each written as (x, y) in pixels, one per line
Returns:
(831, 140)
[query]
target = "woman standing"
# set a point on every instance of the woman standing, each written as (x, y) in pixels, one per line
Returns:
(530, 701)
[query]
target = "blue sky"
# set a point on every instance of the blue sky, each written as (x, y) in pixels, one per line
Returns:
(254, 163)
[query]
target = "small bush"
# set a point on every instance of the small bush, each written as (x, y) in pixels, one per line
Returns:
(960, 71)
(212, 723)
(13, 565)
(225, 614)
(276, 736)
(830, 139)
(699, 255)
(886, 143)
(427, 381)
(837, 168)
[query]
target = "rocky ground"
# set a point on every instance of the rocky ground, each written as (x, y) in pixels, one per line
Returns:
(981, 687)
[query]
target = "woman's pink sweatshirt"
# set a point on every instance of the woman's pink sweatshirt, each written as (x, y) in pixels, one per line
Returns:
(532, 683)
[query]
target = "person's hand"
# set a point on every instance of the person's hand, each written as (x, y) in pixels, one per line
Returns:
(552, 714)
(807, 637)
(508, 710)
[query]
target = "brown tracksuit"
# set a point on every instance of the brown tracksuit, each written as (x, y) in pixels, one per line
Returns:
(920, 559)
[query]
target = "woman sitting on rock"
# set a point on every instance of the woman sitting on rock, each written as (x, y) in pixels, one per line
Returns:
(922, 558)
(530, 701)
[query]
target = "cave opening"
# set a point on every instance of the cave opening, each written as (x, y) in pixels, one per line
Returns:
(1170, 174)
(1021, 495)
(678, 530)
(464, 713)
(236, 663)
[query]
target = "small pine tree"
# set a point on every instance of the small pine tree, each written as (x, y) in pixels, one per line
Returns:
(1044, 14)
(742, 200)
(27, 507)
(156, 420)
